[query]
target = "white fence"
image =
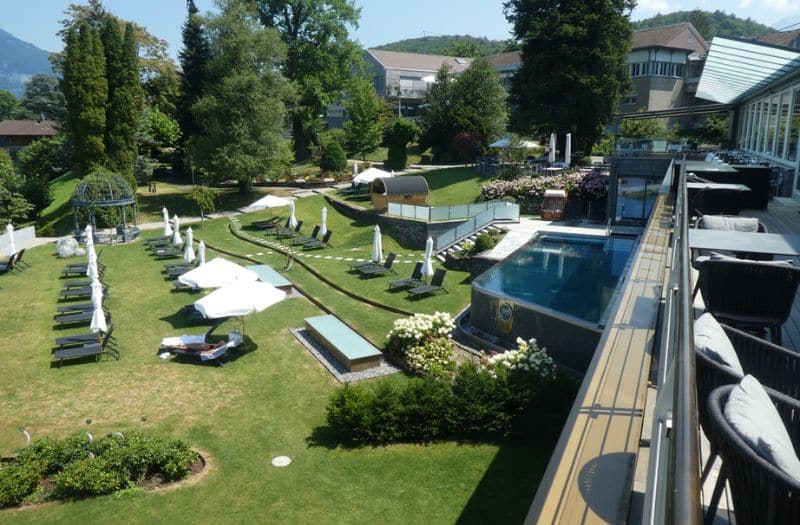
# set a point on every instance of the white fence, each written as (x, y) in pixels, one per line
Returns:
(22, 239)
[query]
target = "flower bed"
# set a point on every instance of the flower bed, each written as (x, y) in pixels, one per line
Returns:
(80, 467)
(422, 342)
(528, 192)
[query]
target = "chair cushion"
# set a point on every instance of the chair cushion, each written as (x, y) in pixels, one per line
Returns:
(721, 222)
(755, 419)
(712, 341)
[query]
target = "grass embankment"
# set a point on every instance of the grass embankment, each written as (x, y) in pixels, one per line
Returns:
(57, 218)
(268, 402)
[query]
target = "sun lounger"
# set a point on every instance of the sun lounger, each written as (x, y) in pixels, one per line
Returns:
(269, 224)
(198, 347)
(83, 292)
(304, 239)
(357, 265)
(76, 270)
(159, 243)
(19, 262)
(93, 349)
(325, 241)
(171, 252)
(435, 286)
(83, 317)
(156, 240)
(383, 269)
(414, 280)
(74, 307)
(285, 233)
(82, 339)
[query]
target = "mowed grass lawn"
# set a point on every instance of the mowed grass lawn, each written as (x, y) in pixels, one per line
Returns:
(268, 402)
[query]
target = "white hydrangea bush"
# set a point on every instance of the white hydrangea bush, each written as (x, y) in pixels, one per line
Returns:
(423, 341)
(527, 358)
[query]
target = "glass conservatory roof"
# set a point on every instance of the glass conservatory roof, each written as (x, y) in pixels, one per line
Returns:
(735, 68)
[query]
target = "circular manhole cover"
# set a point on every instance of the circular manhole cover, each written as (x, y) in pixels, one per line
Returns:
(281, 461)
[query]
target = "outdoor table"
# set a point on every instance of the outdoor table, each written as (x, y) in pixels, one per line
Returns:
(701, 186)
(733, 241)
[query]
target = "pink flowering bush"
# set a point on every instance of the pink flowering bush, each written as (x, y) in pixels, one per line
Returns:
(593, 187)
(528, 192)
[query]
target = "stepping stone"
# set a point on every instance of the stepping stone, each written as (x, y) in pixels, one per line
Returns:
(329, 256)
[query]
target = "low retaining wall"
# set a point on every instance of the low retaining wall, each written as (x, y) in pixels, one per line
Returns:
(410, 233)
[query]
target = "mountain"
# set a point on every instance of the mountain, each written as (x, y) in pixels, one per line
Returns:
(20, 60)
(443, 45)
(718, 23)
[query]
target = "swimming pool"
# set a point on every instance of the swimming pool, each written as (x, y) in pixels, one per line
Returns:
(557, 288)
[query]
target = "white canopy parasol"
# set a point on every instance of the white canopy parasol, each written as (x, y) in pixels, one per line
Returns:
(427, 265)
(377, 245)
(239, 298)
(176, 235)
(167, 227)
(506, 142)
(98, 323)
(370, 175)
(188, 249)
(201, 253)
(355, 168)
(323, 229)
(270, 201)
(568, 150)
(292, 218)
(12, 249)
(91, 267)
(551, 157)
(216, 274)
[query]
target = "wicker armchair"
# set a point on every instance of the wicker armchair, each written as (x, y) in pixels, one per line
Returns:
(702, 224)
(762, 494)
(749, 294)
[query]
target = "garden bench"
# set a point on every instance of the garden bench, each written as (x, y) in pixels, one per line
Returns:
(352, 350)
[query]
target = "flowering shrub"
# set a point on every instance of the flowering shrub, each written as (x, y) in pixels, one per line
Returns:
(593, 187)
(529, 191)
(528, 358)
(423, 341)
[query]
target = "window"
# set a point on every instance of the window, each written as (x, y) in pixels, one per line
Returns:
(639, 69)
(660, 69)
(630, 98)
(783, 117)
(769, 145)
(794, 132)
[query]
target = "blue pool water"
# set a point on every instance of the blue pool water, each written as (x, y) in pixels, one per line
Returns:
(572, 275)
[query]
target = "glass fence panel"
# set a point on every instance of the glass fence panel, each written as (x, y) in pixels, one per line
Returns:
(441, 213)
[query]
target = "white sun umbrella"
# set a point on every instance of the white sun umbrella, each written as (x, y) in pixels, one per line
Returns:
(201, 253)
(98, 323)
(355, 169)
(188, 249)
(269, 201)
(377, 245)
(292, 218)
(427, 264)
(370, 175)
(217, 273)
(89, 231)
(239, 299)
(323, 228)
(91, 267)
(568, 150)
(176, 235)
(551, 157)
(12, 249)
(167, 227)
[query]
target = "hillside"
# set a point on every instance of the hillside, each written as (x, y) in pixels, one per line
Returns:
(444, 45)
(718, 23)
(20, 60)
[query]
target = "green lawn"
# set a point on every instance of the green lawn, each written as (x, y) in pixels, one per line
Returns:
(270, 401)
(57, 218)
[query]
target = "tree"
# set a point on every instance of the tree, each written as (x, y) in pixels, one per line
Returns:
(320, 57)
(43, 98)
(162, 89)
(86, 92)
(702, 22)
(436, 119)
(573, 65)
(645, 128)
(124, 105)
(9, 105)
(157, 131)
(364, 123)
(47, 158)
(463, 48)
(479, 103)
(333, 158)
(397, 136)
(205, 199)
(194, 58)
(14, 207)
(242, 114)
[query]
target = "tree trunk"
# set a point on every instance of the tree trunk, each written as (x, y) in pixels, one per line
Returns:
(301, 151)
(246, 185)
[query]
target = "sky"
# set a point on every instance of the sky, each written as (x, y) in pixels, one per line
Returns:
(382, 21)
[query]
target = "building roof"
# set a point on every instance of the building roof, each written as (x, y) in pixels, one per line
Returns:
(512, 58)
(780, 38)
(28, 128)
(407, 184)
(418, 61)
(736, 68)
(676, 36)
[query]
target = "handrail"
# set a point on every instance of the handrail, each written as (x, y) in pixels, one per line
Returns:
(475, 223)
(673, 482)
(443, 213)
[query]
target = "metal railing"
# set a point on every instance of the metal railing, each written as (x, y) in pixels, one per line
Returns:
(449, 213)
(508, 212)
(673, 481)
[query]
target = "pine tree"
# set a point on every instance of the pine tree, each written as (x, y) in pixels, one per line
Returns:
(194, 58)
(86, 92)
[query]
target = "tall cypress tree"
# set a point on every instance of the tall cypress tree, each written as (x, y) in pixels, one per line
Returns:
(124, 97)
(86, 92)
(194, 58)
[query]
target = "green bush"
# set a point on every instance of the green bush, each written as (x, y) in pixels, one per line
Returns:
(485, 404)
(396, 136)
(16, 483)
(483, 242)
(427, 409)
(88, 477)
(139, 456)
(333, 158)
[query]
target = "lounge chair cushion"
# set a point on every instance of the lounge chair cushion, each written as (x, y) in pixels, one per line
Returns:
(754, 418)
(720, 222)
(711, 340)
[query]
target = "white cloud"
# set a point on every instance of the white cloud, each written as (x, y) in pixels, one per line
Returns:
(655, 6)
(780, 5)
(744, 4)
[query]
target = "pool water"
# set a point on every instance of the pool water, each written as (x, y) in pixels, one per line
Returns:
(573, 275)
